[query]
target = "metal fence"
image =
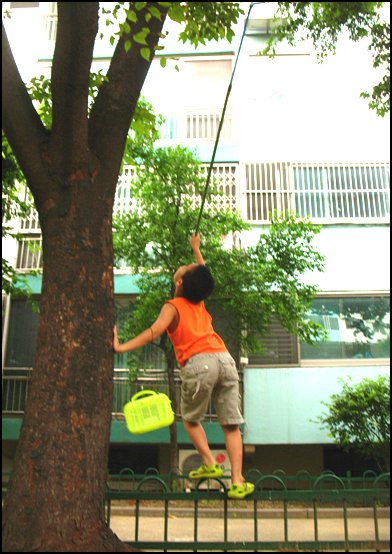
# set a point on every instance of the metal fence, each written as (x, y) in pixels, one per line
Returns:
(342, 498)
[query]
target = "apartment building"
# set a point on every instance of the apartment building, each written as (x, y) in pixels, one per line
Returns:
(296, 137)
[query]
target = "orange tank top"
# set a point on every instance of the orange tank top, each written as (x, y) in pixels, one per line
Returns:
(194, 333)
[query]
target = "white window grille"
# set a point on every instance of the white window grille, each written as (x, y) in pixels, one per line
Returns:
(225, 179)
(266, 190)
(123, 203)
(50, 21)
(29, 254)
(326, 193)
(30, 223)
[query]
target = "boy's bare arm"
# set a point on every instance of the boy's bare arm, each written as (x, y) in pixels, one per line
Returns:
(195, 245)
(160, 325)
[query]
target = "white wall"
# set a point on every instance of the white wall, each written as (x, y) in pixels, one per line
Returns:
(281, 402)
(357, 257)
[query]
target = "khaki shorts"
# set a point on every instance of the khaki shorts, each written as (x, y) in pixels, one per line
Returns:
(207, 376)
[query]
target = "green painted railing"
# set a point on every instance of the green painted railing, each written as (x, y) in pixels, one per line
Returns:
(285, 493)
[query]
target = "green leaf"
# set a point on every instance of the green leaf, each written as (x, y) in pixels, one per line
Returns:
(145, 53)
(176, 12)
(140, 5)
(140, 37)
(132, 16)
(155, 12)
(163, 62)
(127, 45)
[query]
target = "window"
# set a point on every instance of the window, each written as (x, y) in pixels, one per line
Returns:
(150, 356)
(280, 348)
(204, 90)
(338, 192)
(266, 190)
(311, 198)
(342, 192)
(205, 83)
(358, 328)
(22, 334)
(29, 254)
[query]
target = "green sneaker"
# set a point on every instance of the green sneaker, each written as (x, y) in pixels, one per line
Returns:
(206, 472)
(238, 491)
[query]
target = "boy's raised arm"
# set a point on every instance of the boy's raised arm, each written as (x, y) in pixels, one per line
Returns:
(195, 245)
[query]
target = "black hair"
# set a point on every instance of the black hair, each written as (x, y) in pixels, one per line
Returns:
(197, 284)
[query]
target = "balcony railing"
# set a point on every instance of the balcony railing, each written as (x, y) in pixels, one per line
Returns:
(16, 388)
(197, 126)
(29, 254)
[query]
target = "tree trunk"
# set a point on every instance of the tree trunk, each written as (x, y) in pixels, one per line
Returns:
(174, 458)
(167, 348)
(56, 495)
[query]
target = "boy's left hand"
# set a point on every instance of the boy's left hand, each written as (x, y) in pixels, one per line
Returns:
(195, 241)
(116, 344)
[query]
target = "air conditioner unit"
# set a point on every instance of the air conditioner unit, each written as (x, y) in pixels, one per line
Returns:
(191, 459)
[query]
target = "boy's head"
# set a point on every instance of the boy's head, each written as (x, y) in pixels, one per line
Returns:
(194, 282)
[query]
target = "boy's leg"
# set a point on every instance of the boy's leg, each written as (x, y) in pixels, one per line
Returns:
(233, 441)
(199, 440)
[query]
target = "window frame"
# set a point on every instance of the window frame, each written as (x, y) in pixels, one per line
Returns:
(346, 362)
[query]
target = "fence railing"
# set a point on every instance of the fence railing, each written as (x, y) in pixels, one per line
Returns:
(290, 503)
(285, 513)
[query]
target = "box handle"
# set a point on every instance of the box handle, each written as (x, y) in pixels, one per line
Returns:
(143, 393)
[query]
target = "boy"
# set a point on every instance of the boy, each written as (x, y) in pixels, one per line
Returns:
(207, 368)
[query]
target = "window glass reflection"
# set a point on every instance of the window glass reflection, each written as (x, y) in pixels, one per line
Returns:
(357, 328)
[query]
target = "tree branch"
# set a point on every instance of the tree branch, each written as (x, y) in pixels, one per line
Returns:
(115, 104)
(76, 32)
(21, 123)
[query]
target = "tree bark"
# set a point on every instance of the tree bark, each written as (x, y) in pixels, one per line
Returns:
(55, 500)
(167, 348)
(56, 496)
(174, 456)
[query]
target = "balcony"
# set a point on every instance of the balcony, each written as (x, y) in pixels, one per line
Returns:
(340, 193)
(16, 383)
(16, 388)
(191, 128)
(326, 193)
